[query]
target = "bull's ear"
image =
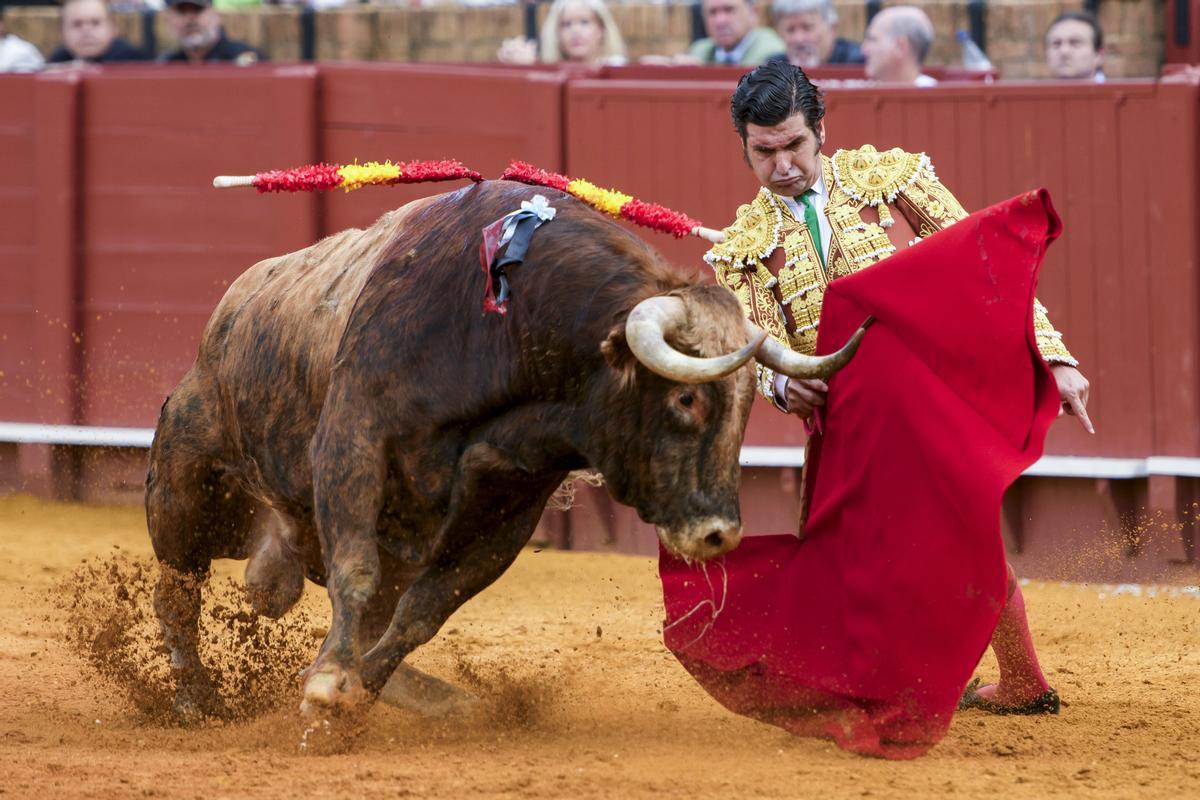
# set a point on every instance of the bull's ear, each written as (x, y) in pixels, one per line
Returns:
(617, 353)
(615, 349)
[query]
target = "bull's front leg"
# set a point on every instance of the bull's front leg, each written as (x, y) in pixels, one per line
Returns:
(348, 474)
(493, 512)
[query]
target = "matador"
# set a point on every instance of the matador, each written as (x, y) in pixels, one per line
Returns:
(867, 205)
(817, 218)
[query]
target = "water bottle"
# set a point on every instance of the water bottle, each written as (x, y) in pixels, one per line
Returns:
(972, 56)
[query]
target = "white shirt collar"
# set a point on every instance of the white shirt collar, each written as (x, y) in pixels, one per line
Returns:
(817, 188)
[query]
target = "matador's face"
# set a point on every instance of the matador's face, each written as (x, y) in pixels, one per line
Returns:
(785, 157)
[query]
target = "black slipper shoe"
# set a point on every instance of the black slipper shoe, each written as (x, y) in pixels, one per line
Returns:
(1045, 703)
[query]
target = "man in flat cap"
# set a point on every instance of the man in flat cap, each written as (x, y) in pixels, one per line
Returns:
(196, 25)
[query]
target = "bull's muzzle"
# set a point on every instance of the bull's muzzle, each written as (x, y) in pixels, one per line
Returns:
(701, 539)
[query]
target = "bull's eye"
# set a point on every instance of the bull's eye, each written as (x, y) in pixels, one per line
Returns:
(685, 400)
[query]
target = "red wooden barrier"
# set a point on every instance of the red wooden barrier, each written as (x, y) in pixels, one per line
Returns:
(38, 256)
(109, 231)
(18, 246)
(159, 244)
(158, 247)
(1128, 256)
(481, 116)
(39, 264)
(1172, 263)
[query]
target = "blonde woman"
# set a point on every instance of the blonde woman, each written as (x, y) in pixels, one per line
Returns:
(575, 32)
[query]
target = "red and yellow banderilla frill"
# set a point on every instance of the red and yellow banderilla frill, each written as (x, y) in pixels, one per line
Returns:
(323, 177)
(617, 204)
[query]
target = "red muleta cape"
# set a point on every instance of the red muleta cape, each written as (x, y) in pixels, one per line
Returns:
(867, 630)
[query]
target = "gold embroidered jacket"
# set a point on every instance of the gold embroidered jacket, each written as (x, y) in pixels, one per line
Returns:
(769, 261)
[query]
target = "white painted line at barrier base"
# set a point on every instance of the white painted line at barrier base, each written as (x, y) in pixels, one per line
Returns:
(84, 435)
(1151, 591)
(751, 456)
(1105, 591)
(1173, 465)
(1089, 467)
(758, 456)
(1046, 466)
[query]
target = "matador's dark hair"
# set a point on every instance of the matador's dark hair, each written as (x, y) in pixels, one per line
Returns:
(773, 92)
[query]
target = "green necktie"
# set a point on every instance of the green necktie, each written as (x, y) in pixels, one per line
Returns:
(814, 226)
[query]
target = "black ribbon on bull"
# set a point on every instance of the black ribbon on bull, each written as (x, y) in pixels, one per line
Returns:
(512, 232)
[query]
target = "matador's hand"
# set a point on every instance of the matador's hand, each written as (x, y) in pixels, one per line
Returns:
(802, 395)
(1073, 389)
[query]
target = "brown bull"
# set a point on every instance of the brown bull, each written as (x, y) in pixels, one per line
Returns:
(352, 417)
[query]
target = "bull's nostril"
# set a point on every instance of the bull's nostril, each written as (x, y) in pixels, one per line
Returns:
(714, 539)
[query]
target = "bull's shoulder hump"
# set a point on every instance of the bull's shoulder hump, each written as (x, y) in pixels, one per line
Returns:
(349, 248)
(307, 295)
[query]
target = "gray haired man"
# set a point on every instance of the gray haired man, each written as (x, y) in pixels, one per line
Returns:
(809, 29)
(896, 44)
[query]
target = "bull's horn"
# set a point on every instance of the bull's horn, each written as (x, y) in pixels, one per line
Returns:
(646, 331)
(784, 360)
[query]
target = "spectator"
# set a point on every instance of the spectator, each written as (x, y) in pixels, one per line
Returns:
(809, 30)
(896, 44)
(733, 36)
(576, 32)
(89, 34)
(16, 54)
(1075, 47)
(196, 25)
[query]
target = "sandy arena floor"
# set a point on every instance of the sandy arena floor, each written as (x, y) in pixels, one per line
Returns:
(580, 698)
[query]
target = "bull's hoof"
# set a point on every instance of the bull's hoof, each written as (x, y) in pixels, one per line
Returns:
(195, 704)
(332, 734)
(331, 688)
(413, 690)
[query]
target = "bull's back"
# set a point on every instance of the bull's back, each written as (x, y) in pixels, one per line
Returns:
(267, 352)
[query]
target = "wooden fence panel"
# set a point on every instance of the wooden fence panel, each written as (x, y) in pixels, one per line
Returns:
(18, 246)
(482, 117)
(160, 245)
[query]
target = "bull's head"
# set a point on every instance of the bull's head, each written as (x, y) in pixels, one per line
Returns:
(676, 460)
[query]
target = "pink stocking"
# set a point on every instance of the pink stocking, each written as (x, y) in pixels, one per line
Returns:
(1021, 678)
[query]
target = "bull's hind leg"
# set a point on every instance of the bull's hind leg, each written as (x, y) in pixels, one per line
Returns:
(192, 516)
(275, 571)
(177, 604)
(493, 512)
